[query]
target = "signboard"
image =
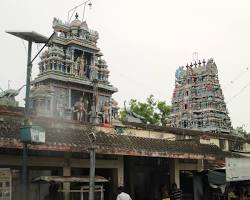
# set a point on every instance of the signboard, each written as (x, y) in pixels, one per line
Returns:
(237, 169)
(32, 134)
(37, 135)
(5, 184)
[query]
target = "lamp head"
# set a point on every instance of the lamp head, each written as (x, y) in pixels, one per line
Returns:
(90, 5)
(92, 137)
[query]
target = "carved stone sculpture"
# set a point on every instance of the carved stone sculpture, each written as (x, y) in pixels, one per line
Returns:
(93, 73)
(106, 112)
(179, 72)
(80, 110)
(10, 92)
(7, 97)
(133, 117)
(81, 67)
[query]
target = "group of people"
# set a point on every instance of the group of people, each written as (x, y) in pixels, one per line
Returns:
(238, 193)
(174, 194)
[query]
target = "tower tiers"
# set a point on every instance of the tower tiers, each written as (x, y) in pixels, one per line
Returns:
(198, 101)
(73, 78)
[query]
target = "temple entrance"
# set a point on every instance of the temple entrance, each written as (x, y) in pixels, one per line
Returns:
(186, 184)
(145, 177)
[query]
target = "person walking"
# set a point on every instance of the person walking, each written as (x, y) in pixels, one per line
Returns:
(122, 195)
(176, 194)
(164, 193)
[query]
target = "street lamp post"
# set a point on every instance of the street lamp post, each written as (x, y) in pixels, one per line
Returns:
(29, 66)
(31, 37)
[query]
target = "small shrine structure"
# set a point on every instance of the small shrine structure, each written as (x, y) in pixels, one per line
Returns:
(73, 77)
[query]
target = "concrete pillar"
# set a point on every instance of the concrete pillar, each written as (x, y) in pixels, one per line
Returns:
(69, 100)
(66, 186)
(174, 172)
(66, 172)
(113, 189)
(93, 59)
(132, 173)
(200, 165)
(120, 171)
(53, 65)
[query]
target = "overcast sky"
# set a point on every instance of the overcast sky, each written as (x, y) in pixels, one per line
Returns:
(143, 42)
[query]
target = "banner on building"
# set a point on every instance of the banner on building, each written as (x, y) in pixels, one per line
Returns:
(5, 184)
(237, 169)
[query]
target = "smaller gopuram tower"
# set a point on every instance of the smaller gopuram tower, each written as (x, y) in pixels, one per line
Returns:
(198, 102)
(73, 77)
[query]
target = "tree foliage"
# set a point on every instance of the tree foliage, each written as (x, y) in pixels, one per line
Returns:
(242, 132)
(154, 112)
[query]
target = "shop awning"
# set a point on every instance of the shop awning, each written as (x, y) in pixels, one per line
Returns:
(216, 177)
(69, 179)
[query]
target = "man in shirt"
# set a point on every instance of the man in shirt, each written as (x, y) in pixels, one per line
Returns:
(122, 195)
(176, 194)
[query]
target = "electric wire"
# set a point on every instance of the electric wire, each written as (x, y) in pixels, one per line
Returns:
(138, 83)
(239, 76)
(238, 93)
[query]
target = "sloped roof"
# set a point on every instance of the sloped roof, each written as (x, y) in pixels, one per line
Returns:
(182, 131)
(74, 138)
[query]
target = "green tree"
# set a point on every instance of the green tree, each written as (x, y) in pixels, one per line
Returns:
(164, 111)
(154, 112)
(242, 132)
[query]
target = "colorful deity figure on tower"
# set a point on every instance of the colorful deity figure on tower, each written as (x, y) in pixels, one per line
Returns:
(198, 101)
(73, 76)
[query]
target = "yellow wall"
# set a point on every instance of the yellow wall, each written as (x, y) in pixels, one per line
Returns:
(215, 141)
(149, 134)
(205, 141)
(246, 146)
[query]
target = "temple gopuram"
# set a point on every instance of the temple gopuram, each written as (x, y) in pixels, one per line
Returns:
(198, 101)
(73, 78)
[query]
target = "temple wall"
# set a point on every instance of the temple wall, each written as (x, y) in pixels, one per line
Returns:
(204, 141)
(140, 133)
(215, 141)
(226, 145)
(150, 134)
(246, 146)
(210, 140)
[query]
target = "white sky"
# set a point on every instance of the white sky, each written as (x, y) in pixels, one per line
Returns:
(144, 41)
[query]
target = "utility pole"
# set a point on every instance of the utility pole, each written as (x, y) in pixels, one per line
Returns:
(92, 173)
(92, 139)
(24, 172)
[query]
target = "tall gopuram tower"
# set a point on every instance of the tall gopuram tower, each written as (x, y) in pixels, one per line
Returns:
(198, 102)
(73, 78)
